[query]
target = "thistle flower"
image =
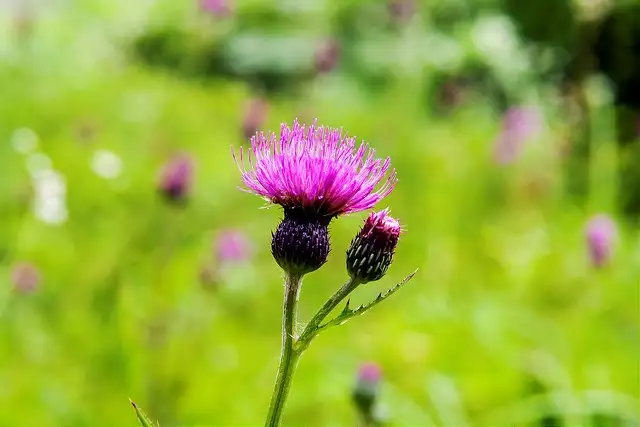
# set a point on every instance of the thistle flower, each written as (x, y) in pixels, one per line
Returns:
(219, 8)
(315, 174)
(519, 125)
(232, 246)
(601, 233)
(365, 392)
(371, 251)
(254, 116)
(401, 11)
(327, 55)
(25, 277)
(175, 179)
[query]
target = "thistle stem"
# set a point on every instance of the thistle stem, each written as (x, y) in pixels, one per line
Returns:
(289, 356)
(313, 326)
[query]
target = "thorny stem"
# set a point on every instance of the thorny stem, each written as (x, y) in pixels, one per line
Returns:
(312, 328)
(289, 356)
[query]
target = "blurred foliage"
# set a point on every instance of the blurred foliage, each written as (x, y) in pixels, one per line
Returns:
(506, 323)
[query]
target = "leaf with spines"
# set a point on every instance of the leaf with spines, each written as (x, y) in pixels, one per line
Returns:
(145, 421)
(347, 313)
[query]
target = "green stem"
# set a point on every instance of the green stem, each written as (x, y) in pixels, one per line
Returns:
(289, 356)
(312, 328)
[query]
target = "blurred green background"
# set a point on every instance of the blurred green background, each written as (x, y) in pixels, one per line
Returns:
(111, 291)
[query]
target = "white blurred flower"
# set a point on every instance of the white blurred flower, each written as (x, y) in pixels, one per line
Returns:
(50, 196)
(106, 164)
(38, 162)
(24, 140)
(494, 36)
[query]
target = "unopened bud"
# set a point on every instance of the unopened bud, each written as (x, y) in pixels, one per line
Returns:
(365, 392)
(601, 232)
(371, 251)
(175, 180)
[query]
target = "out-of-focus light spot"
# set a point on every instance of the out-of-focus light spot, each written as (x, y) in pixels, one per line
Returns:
(106, 164)
(49, 205)
(24, 140)
(494, 37)
(38, 162)
(442, 52)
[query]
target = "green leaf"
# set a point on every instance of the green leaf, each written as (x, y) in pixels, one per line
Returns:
(347, 313)
(145, 421)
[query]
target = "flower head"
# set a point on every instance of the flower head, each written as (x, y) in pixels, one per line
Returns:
(175, 179)
(232, 246)
(220, 8)
(326, 57)
(601, 233)
(316, 169)
(519, 125)
(255, 114)
(371, 251)
(365, 392)
(25, 277)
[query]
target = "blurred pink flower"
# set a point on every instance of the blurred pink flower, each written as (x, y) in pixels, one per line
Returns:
(370, 373)
(519, 125)
(601, 233)
(176, 177)
(327, 56)
(255, 115)
(233, 246)
(218, 8)
(25, 277)
(401, 10)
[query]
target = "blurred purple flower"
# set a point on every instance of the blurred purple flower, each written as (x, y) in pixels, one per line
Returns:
(369, 373)
(176, 176)
(519, 125)
(218, 8)
(601, 233)
(255, 115)
(327, 56)
(25, 277)
(233, 246)
(365, 392)
(401, 11)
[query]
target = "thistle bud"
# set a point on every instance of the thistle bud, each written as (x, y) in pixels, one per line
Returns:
(255, 115)
(175, 179)
(601, 232)
(327, 56)
(371, 251)
(25, 277)
(300, 244)
(232, 246)
(365, 392)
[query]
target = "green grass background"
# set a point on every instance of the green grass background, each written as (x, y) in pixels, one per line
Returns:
(504, 296)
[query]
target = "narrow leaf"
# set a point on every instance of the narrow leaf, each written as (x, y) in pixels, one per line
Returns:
(142, 417)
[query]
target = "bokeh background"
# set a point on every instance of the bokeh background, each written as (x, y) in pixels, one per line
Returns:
(132, 267)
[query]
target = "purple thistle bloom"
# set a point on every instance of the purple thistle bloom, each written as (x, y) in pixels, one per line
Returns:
(175, 179)
(365, 392)
(316, 169)
(233, 246)
(315, 174)
(327, 55)
(25, 277)
(219, 8)
(255, 114)
(519, 125)
(601, 233)
(369, 373)
(401, 10)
